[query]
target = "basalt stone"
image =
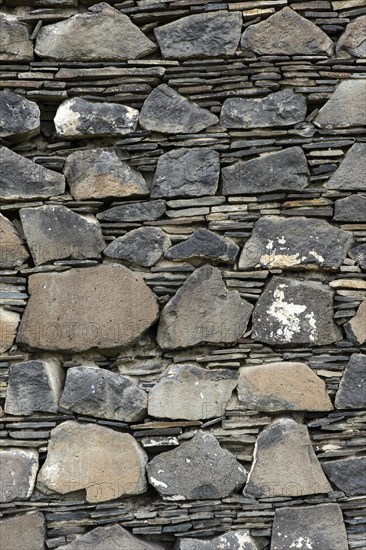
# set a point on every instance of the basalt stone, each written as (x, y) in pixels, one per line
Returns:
(134, 212)
(34, 386)
(106, 463)
(191, 393)
(12, 250)
(201, 35)
(348, 474)
(295, 243)
(283, 108)
(15, 42)
(106, 306)
(100, 34)
(356, 328)
(23, 532)
(19, 117)
(233, 540)
(100, 174)
(204, 245)
(203, 310)
(285, 463)
(18, 471)
(166, 111)
(352, 42)
(186, 172)
(9, 321)
(286, 33)
(197, 469)
(98, 392)
(110, 537)
(350, 176)
(282, 386)
(77, 118)
(352, 388)
(143, 246)
(359, 254)
(319, 527)
(345, 108)
(295, 312)
(350, 209)
(22, 179)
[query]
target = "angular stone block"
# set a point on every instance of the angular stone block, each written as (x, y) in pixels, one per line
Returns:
(15, 42)
(18, 471)
(143, 246)
(9, 321)
(110, 537)
(12, 250)
(204, 245)
(134, 212)
(348, 474)
(23, 532)
(345, 108)
(352, 388)
(352, 43)
(233, 540)
(350, 176)
(19, 117)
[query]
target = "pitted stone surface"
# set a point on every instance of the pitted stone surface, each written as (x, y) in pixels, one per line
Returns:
(233, 540)
(204, 245)
(345, 107)
(350, 209)
(134, 212)
(348, 474)
(12, 251)
(110, 537)
(15, 42)
(352, 43)
(143, 246)
(24, 532)
(18, 471)
(350, 176)
(352, 388)
(9, 321)
(19, 117)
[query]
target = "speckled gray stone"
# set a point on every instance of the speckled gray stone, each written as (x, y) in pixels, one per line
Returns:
(143, 246)
(19, 117)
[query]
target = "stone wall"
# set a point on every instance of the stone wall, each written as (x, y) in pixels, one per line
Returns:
(183, 246)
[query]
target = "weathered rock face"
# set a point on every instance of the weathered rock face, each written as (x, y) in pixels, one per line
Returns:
(12, 250)
(186, 172)
(348, 474)
(283, 108)
(294, 312)
(359, 254)
(26, 532)
(204, 245)
(352, 388)
(76, 118)
(201, 35)
(106, 306)
(34, 386)
(191, 393)
(19, 117)
(295, 243)
(315, 527)
(100, 174)
(285, 463)
(77, 459)
(351, 173)
(56, 233)
(9, 321)
(286, 32)
(356, 327)
(203, 310)
(97, 392)
(143, 246)
(21, 178)
(352, 42)
(134, 212)
(233, 540)
(168, 112)
(345, 106)
(15, 42)
(350, 209)
(18, 471)
(101, 34)
(197, 469)
(283, 386)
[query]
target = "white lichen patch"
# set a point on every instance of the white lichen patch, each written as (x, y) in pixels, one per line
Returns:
(158, 483)
(286, 313)
(66, 120)
(302, 542)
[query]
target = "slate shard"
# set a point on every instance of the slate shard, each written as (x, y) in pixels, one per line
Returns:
(350, 176)
(134, 212)
(352, 43)
(347, 474)
(358, 253)
(204, 245)
(143, 246)
(24, 532)
(15, 43)
(345, 108)
(12, 250)
(355, 328)
(350, 209)
(19, 117)
(352, 388)
(18, 471)
(233, 540)
(9, 321)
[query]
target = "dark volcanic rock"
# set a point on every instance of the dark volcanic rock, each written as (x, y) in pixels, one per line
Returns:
(134, 212)
(18, 471)
(233, 540)
(350, 175)
(19, 117)
(352, 42)
(355, 329)
(24, 532)
(206, 245)
(350, 209)
(12, 250)
(359, 254)
(345, 108)
(352, 388)
(15, 43)
(143, 246)
(109, 537)
(348, 474)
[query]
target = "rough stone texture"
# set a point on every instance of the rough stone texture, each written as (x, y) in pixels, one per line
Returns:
(352, 388)
(166, 111)
(18, 471)
(359, 254)
(23, 532)
(78, 459)
(352, 42)
(106, 306)
(19, 117)
(134, 212)
(283, 108)
(350, 175)
(203, 310)
(21, 178)
(350, 209)
(100, 174)
(97, 392)
(286, 33)
(201, 35)
(186, 172)
(282, 386)
(285, 463)
(101, 34)
(319, 527)
(34, 386)
(345, 107)
(12, 250)
(295, 312)
(356, 327)
(295, 243)
(15, 43)
(197, 469)
(348, 474)
(143, 246)
(233, 540)
(76, 118)
(204, 245)
(9, 321)
(192, 393)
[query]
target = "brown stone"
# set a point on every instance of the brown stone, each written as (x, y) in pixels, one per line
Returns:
(26, 532)
(9, 321)
(356, 327)
(12, 251)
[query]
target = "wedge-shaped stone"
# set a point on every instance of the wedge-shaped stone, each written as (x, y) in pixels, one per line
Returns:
(12, 250)
(356, 328)
(9, 321)
(106, 463)
(143, 246)
(233, 540)
(15, 42)
(134, 212)
(345, 108)
(352, 42)
(107, 306)
(203, 310)
(350, 209)
(18, 471)
(350, 175)
(204, 245)
(19, 117)
(24, 532)
(359, 255)
(285, 463)
(352, 388)
(348, 474)
(197, 469)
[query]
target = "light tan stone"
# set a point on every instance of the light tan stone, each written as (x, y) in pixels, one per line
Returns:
(9, 321)
(356, 327)
(18, 471)
(25, 532)
(12, 251)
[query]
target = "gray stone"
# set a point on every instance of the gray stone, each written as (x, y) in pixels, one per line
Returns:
(285, 463)
(15, 42)
(197, 469)
(283, 108)
(359, 254)
(287, 33)
(98, 392)
(9, 321)
(203, 310)
(202, 35)
(233, 540)
(356, 328)
(191, 393)
(143, 246)
(12, 250)
(134, 212)
(19, 117)
(295, 312)
(350, 209)
(18, 471)
(57, 233)
(352, 43)
(319, 527)
(100, 174)
(34, 386)
(186, 172)
(295, 243)
(22, 179)
(77, 118)
(101, 34)
(350, 175)
(352, 388)
(23, 532)
(204, 245)
(166, 111)
(348, 474)
(345, 108)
